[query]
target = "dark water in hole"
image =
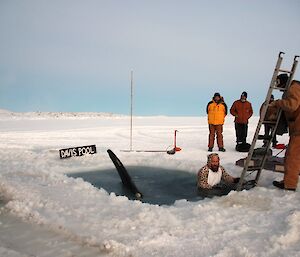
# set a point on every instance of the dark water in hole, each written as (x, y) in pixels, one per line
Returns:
(158, 186)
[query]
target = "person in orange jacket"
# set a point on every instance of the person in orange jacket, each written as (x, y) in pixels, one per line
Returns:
(242, 111)
(291, 107)
(216, 111)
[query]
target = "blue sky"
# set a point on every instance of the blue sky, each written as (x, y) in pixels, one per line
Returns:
(71, 55)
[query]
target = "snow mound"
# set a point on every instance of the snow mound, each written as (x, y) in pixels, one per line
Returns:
(4, 111)
(5, 114)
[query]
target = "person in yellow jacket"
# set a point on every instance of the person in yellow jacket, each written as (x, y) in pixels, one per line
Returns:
(216, 111)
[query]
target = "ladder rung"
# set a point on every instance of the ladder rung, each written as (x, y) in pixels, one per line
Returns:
(287, 71)
(280, 88)
(269, 122)
(263, 137)
(252, 168)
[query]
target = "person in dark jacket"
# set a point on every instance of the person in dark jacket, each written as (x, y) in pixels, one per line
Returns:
(216, 111)
(291, 107)
(242, 110)
(281, 81)
(271, 115)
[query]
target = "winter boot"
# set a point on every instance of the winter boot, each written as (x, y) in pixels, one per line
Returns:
(222, 149)
(210, 149)
(280, 184)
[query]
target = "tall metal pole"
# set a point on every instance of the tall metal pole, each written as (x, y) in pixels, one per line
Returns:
(131, 108)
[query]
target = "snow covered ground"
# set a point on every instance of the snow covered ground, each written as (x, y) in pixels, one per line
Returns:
(36, 191)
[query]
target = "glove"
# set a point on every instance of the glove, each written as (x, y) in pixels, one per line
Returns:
(236, 180)
(273, 104)
(218, 186)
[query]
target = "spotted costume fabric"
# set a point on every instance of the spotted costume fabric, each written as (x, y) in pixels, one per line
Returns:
(203, 177)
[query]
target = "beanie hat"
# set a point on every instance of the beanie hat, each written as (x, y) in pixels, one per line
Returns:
(210, 156)
(217, 94)
(283, 78)
(244, 94)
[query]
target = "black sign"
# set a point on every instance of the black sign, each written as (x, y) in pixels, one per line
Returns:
(77, 151)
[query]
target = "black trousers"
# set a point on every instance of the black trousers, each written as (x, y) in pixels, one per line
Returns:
(241, 131)
(268, 131)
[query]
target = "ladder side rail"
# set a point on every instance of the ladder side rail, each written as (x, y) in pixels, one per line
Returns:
(264, 159)
(294, 66)
(293, 70)
(261, 119)
(249, 156)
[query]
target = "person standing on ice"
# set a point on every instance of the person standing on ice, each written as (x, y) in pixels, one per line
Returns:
(216, 111)
(291, 107)
(242, 111)
(214, 176)
(271, 115)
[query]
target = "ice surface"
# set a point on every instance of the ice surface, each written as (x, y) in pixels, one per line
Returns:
(261, 222)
